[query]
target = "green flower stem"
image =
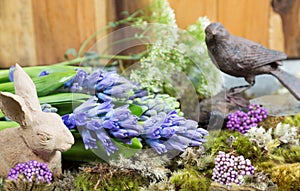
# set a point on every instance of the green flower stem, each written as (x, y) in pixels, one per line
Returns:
(71, 62)
(117, 57)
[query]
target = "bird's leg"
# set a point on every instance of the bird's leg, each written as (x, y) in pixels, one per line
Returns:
(231, 95)
(243, 88)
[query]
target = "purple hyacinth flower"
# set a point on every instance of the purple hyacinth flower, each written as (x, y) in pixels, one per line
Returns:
(157, 145)
(100, 109)
(108, 79)
(69, 121)
(80, 119)
(119, 91)
(80, 77)
(44, 73)
(103, 97)
(11, 73)
(87, 105)
(172, 131)
(177, 142)
(124, 133)
(152, 126)
(102, 84)
(106, 141)
(111, 125)
(93, 79)
(131, 123)
(167, 132)
(94, 124)
(89, 141)
(120, 114)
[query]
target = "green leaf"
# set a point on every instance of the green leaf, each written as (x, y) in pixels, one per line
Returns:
(45, 85)
(136, 110)
(8, 124)
(1, 114)
(64, 102)
(63, 98)
(34, 71)
(80, 154)
(48, 84)
(136, 143)
(7, 87)
(123, 149)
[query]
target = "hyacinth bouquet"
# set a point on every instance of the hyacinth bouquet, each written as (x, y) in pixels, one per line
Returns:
(112, 114)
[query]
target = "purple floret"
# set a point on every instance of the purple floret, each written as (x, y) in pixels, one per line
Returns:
(231, 169)
(242, 121)
(32, 169)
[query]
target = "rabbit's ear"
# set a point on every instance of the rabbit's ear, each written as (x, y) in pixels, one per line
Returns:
(14, 107)
(25, 88)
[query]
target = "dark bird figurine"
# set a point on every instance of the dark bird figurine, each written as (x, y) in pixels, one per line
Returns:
(240, 57)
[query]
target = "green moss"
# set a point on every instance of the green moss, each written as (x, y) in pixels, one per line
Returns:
(292, 120)
(164, 185)
(265, 166)
(241, 146)
(104, 177)
(271, 121)
(286, 176)
(24, 185)
(189, 180)
(291, 154)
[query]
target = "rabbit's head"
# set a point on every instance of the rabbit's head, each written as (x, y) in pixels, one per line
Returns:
(44, 133)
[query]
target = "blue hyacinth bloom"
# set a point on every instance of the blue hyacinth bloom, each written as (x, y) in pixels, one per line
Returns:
(44, 73)
(101, 82)
(121, 124)
(11, 73)
(167, 132)
(69, 121)
(97, 122)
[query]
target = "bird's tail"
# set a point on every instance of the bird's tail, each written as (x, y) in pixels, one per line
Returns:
(289, 81)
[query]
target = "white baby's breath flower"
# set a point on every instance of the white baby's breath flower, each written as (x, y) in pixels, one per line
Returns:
(287, 134)
(260, 136)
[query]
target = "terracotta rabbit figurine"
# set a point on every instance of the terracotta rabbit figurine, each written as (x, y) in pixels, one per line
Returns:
(41, 136)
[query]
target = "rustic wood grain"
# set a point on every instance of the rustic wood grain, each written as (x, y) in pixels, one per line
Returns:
(17, 42)
(247, 18)
(276, 38)
(187, 12)
(60, 25)
(38, 32)
(289, 11)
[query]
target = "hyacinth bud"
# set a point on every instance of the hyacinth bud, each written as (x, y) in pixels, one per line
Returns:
(32, 169)
(154, 104)
(48, 108)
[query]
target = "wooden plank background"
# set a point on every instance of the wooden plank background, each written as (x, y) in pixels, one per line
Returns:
(38, 32)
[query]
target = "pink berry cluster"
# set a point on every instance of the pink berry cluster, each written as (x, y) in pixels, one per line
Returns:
(32, 169)
(231, 169)
(242, 121)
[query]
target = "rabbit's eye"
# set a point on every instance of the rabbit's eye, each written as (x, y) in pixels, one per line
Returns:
(43, 137)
